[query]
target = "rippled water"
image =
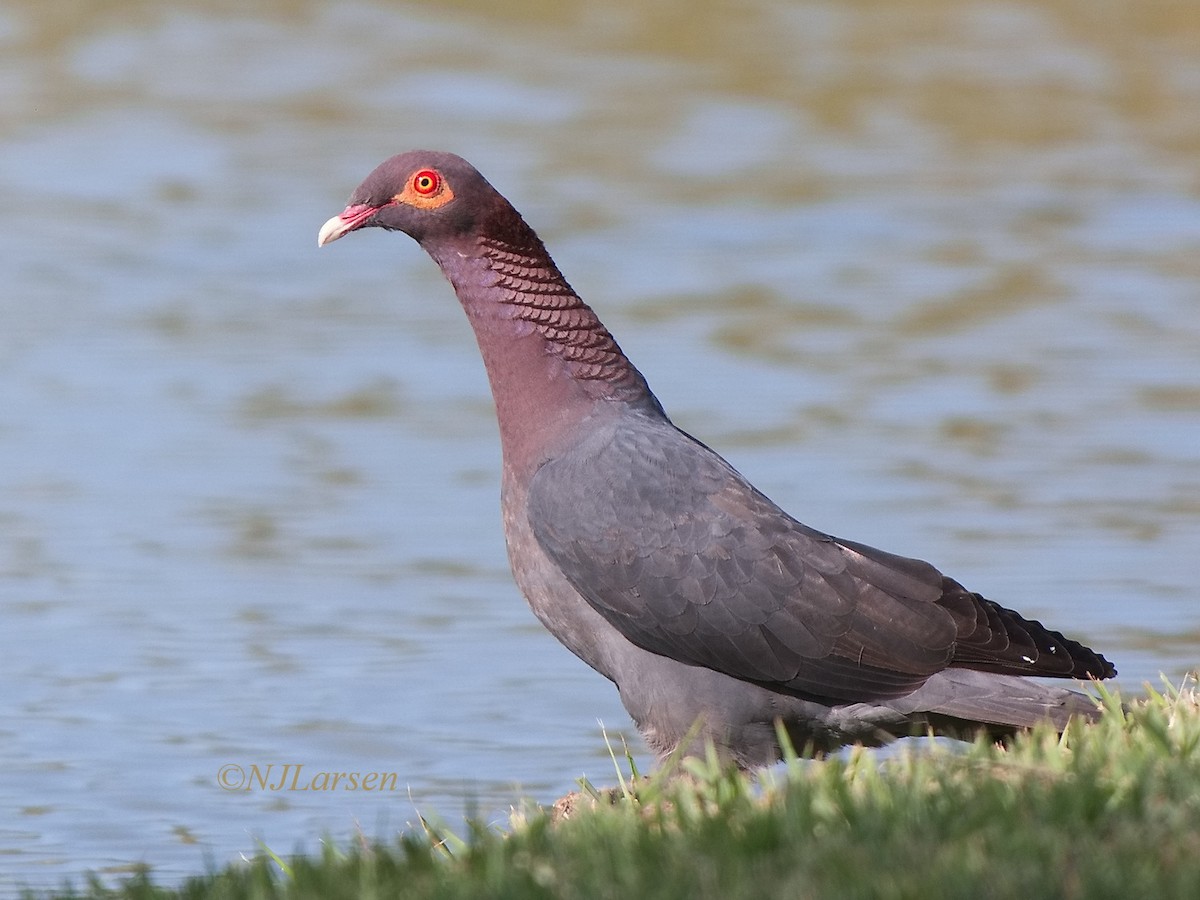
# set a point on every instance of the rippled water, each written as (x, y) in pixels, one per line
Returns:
(930, 277)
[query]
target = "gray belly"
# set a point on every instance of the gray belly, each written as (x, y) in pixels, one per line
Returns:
(669, 700)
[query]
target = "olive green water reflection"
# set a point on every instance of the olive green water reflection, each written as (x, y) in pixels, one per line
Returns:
(928, 273)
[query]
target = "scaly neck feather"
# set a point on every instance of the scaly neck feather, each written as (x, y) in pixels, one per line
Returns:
(549, 358)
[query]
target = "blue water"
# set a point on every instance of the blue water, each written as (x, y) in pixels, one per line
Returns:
(921, 279)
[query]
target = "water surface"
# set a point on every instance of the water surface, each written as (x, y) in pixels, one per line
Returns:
(930, 277)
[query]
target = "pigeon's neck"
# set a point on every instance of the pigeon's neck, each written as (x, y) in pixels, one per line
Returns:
(550, 360)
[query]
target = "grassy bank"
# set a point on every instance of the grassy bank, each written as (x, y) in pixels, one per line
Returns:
(1108, 810)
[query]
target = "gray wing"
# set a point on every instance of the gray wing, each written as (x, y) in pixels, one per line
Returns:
(688, 560)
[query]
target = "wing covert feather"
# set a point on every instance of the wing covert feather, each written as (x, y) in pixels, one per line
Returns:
(687, 559)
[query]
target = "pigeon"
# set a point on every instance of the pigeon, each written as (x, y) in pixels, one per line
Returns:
(724, 622)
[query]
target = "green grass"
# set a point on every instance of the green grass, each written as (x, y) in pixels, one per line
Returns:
(1107, 810)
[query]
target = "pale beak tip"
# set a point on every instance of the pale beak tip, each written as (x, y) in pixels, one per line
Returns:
(331, 231)
(353, 217)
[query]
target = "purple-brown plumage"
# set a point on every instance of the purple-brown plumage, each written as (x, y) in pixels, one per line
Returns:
(660, 566)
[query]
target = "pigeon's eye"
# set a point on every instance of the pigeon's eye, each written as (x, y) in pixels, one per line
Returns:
(426, 182)
(425, 189)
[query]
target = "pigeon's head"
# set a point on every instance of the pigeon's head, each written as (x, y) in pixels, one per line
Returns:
(426, 194)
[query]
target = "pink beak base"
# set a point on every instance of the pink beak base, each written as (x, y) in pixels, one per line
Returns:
(347, 220)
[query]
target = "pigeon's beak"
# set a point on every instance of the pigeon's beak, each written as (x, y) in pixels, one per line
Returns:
(353, 216)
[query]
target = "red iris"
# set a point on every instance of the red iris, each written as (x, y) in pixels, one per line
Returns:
(426, 182)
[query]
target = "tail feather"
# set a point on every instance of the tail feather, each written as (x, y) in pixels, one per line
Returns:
(972, 698)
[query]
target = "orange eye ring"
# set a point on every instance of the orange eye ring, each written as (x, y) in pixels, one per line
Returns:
(426, 183)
